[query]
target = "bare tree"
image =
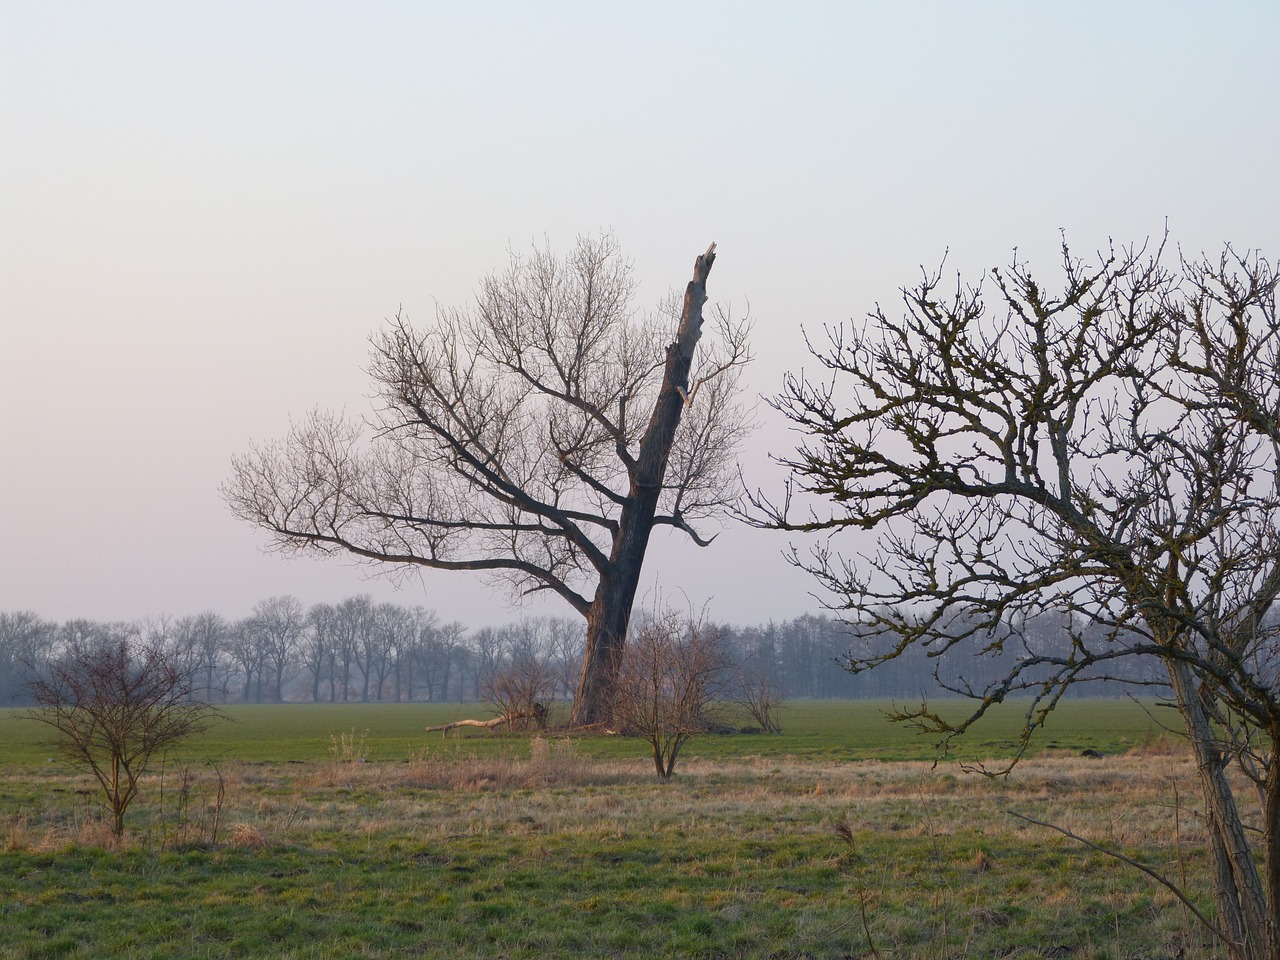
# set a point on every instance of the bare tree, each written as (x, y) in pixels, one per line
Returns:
(204, 635)
(519, 691)
(487, 651)
(193, 644)
(277, 625)
(398, 629)
(367, 640)
(420, 630)
(114, 709)
(81, 634)
(162, 632)
(756, 693)
(565, 644)
(244, 647)
(353, 622)
(437, 652)
(671, 673)
(379, 650)
(536, 438)
(1110, 455)
(26, 640)
(319, 649)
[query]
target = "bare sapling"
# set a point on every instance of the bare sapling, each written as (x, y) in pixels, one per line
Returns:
(114, 710)
(672, 672)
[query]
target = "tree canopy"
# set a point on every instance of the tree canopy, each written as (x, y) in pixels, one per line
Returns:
(536, 437)
(1106, 451)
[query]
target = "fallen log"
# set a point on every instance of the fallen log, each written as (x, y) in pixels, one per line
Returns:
(497, 721)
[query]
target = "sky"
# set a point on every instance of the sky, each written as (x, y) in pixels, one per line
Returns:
(207, 208)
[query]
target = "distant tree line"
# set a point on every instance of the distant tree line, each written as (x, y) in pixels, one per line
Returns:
(361, 651)
(353, 651)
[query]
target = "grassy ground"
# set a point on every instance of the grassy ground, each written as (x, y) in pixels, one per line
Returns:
(780, 847)
(813, 730)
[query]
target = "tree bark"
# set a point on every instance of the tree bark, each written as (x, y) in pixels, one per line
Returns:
(1241, 900)
(1271, 850)
(610, 611)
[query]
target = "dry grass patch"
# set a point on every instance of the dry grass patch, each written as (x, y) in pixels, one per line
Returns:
(551, 764)
(547, 854)
(246, 836)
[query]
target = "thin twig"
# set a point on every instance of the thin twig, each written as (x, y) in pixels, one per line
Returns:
(1154, 875)
(866, 924)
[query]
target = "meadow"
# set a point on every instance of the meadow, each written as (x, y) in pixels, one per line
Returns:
(346, 831)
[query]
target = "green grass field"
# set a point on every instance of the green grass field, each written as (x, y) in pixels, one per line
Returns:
(839, 838)
(815, 730)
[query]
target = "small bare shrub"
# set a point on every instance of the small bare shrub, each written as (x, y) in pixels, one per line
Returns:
(755, 693)
(114, 709)
(670, 675)
(520, 692)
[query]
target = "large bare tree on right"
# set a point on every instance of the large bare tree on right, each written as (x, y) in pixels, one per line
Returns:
(1106, 449)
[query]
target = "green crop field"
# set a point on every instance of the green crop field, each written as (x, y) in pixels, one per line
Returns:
(818, 730)
(346, 831)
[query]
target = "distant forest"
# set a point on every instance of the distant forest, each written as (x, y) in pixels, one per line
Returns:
(361, 651)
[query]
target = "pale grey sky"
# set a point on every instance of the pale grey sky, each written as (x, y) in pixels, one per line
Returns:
(205, 209)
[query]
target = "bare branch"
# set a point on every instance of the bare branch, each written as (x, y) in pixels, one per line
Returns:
(1107, 455)
(1213, 928)
(505, 442)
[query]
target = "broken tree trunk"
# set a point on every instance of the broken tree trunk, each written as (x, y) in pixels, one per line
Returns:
(497, 721)
(610, 611)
